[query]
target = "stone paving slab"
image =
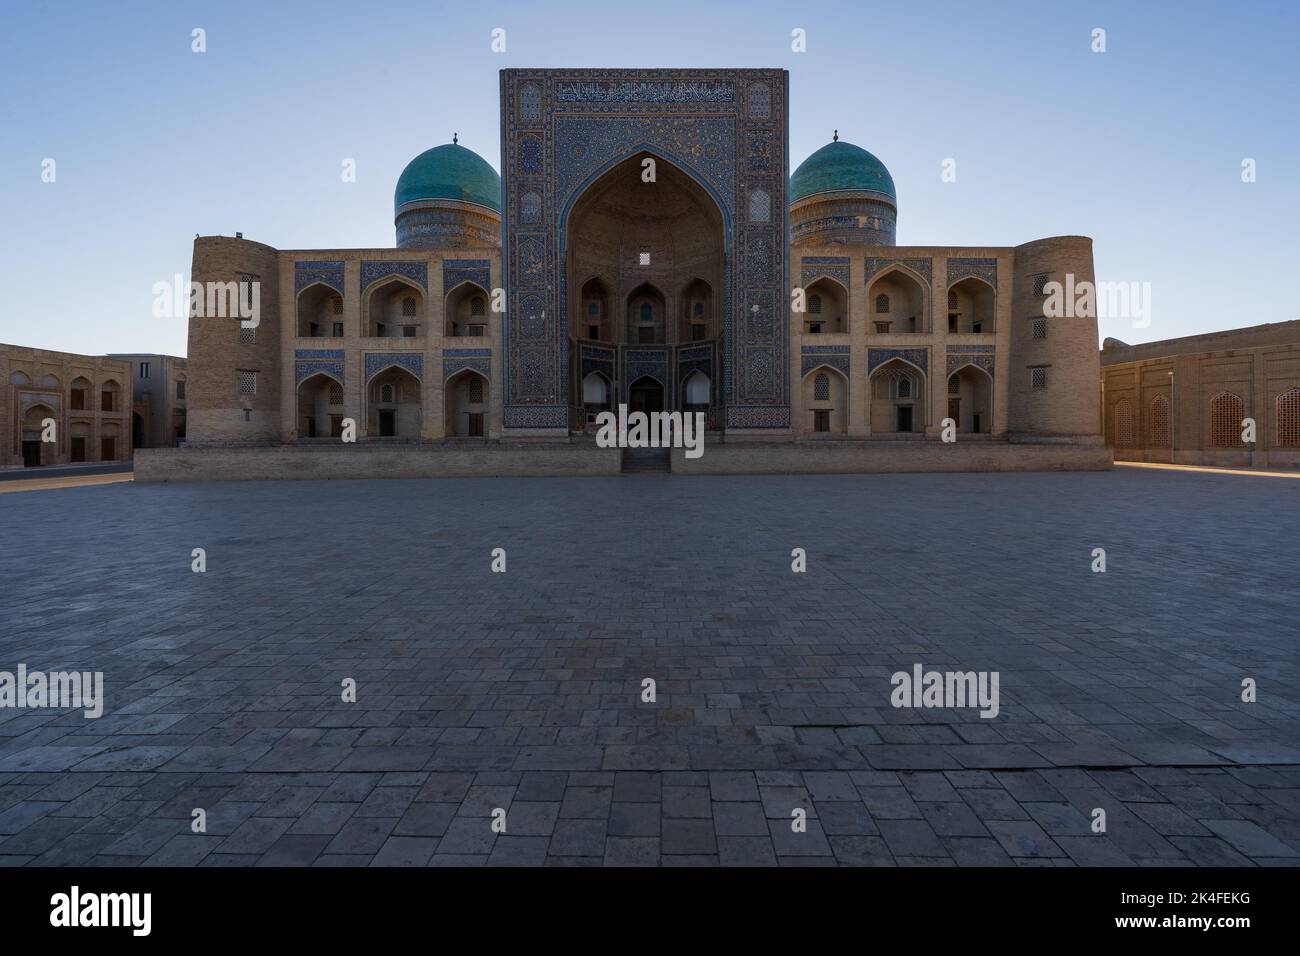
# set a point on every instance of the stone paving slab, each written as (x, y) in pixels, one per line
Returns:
(772, 739)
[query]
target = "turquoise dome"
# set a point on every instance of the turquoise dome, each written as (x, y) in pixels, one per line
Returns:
(449, 172)
(839, 167)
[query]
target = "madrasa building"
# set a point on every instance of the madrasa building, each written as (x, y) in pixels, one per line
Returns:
(645, 244)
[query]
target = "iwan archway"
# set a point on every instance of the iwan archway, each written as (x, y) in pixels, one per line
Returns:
(655, 238)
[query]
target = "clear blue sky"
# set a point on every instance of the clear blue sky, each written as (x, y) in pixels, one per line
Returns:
(1139, 147)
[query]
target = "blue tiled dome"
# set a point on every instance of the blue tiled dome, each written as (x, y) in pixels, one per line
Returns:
(449, 172)
(841, 167)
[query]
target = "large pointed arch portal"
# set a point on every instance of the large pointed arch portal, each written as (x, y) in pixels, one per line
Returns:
(723, 132)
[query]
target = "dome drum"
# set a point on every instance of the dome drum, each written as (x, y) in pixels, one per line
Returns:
(448, 197)
(842, 194)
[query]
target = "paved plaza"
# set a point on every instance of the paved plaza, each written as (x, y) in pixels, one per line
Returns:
(523, 691)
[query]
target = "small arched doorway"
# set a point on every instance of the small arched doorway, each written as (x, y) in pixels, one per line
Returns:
(593, 312)
(34, 449)
(394, 309)
(79, 436)
(825, 307)
(595, 395)
(697, 312)
(320, 312)
(897, 304)
(137, 430)
(645, 395)
(466, 405)
(971, 306)
(825, 400)
(696, 392)
(108, 397)
(645, 316)
(970, 400)
(320, 407)
(896, 392)
(466, 311)
(109, 450)
(80, 396)
(395, 408)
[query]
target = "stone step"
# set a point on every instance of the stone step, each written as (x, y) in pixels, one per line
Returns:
(646, 461)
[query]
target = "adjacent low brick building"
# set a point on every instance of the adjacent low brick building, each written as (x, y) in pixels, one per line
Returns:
(159, 396)
(86, 399)
(1186, 400)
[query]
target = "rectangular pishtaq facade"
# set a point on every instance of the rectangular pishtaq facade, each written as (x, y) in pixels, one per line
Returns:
(561, 131)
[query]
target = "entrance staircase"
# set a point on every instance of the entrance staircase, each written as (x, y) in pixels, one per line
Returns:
(646, 461)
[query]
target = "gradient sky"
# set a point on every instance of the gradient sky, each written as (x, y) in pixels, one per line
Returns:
(1139, 147)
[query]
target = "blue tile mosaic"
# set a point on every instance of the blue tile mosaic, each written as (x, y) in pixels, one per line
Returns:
(563, 129)
(308, 362)
(981, 356)
(810, 360)
(456, 271)
(645, 91)
(329, 273)
(376, 362)
(417, 272)
(918, 357)
(306, 369)
(922, 267)
(453, 363)
(812, 268)
(986, 269)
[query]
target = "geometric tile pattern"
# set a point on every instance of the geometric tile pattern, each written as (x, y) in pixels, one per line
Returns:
(921, 266)
(456, 271)
(986, 269)
(326, 273)
(376, 362)
(725, 129)
(649, 362)
(695, 358)
(812, 268)
(918, 357)
(457, 360)
(417, 272)
(984, 360)
(981, 356)
(836, 356)
(596, 358)
(307, 362)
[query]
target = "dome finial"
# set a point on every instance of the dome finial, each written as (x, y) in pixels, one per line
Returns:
(454, 139)
(836, 137)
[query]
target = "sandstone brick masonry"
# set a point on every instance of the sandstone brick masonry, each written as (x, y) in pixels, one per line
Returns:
(1183, 400)
(219, 414)
(159, 386)
(867, 457)
(362, 461)
(585, 459)
(995, 348)
(1068, 353)
(88, 396)
(217, 411)
(998, 335)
